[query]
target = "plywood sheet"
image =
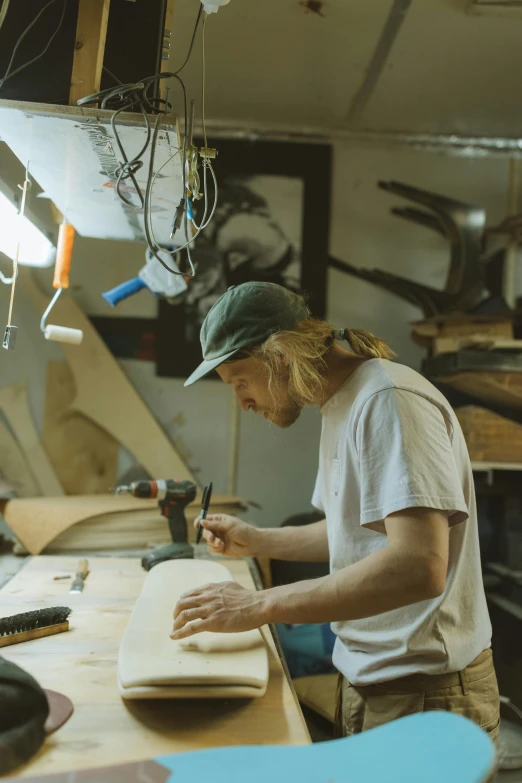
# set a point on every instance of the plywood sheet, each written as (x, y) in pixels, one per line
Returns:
(152, 665)
(14, 405)
(37, 522)
(83, 663)
(84, 456)
(104, 393)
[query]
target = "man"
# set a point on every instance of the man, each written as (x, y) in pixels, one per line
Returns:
(405, 594)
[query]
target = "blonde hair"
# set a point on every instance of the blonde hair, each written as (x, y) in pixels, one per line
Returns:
(305, 350)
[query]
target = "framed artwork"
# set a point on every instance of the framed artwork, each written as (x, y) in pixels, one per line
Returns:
(271, 224)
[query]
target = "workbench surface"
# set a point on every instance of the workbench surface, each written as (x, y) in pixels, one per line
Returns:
(82, 664)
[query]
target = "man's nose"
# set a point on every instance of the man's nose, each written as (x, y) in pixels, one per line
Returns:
(244, 403)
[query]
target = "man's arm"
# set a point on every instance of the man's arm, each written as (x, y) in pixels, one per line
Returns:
(411, 568)
(232, 537)
(306, 543)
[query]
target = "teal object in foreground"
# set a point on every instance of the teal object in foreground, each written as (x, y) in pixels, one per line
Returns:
(431, 747)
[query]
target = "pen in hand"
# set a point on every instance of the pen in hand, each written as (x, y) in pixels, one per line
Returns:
(205, 503)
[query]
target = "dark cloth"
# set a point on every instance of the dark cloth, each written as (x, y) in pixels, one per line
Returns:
(23, 711)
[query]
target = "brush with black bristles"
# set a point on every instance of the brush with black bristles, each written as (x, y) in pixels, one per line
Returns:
(33, 625)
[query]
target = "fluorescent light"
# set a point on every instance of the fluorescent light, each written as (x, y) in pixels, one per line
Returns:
(35, 248)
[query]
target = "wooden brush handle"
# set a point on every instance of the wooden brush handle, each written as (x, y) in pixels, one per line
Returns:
(83, 568)
(37, 633)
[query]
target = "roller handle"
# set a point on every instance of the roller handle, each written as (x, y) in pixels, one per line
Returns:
(63, 255)
(123, 291)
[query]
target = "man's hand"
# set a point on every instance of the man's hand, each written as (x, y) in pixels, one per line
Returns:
(225, 607)
(230, 536)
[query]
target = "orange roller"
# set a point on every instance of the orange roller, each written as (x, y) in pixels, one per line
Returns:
(63, 256)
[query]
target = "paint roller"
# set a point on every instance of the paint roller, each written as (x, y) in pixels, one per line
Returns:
(61, 334)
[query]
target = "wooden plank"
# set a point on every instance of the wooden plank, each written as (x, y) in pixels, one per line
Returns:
(84, 456)
(14, 466)
(495, 388)
(13, 402)
(89, 48)
(167, 45)
(424, 332)
(104, 393)
(487, 466)
(82, 664)
(477, 341)
(490, 437)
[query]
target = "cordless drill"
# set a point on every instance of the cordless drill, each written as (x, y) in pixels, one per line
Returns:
(172, 497)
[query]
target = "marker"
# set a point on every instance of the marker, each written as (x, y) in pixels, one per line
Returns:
(205, 503)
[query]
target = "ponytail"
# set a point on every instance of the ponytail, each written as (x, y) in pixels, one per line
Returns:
(366, 344)
(305, 349)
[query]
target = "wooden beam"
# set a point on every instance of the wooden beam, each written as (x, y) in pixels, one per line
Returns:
(89, 48)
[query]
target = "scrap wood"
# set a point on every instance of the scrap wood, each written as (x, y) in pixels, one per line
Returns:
(477, 341)
(425, 331)
(489, 437)
(14, 466)
(493, 388)
(84, 456)
(105, 394)
(14, 404)
(37, 522)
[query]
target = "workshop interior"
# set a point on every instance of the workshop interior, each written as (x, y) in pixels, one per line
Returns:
(156, 158)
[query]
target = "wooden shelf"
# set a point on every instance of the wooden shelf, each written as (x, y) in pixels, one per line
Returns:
(487, 466)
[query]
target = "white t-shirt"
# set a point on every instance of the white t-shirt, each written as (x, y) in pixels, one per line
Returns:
(391, 441)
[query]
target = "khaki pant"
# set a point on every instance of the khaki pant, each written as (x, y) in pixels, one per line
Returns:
(472, 692)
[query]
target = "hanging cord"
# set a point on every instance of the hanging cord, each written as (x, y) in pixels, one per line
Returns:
(3, 11)
(25, 188)
(9, 73)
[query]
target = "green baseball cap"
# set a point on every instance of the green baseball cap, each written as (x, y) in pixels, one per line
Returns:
(245, 315)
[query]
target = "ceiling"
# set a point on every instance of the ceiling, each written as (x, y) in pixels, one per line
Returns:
(444, 69)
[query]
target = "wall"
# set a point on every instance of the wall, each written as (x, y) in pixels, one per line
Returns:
(277, 468)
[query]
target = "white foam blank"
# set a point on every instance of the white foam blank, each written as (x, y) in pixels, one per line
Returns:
(152, 665)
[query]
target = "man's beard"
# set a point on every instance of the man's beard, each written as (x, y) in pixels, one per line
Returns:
(284, 417)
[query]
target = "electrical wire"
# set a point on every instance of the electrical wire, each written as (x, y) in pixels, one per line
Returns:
(187, 58)
(21, 212)
(203, 78)
(111, 75)
(137, 96)
(9, 74)
(3, 11)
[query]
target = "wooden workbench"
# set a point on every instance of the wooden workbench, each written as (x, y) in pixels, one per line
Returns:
(82, 664)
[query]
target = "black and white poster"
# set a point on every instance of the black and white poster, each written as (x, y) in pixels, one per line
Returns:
(271, 224)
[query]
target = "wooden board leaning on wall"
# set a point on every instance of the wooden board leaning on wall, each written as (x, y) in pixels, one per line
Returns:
(104, 393)
(84, 456)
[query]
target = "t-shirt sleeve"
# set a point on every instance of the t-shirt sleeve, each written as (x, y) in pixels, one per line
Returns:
(406, 459)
